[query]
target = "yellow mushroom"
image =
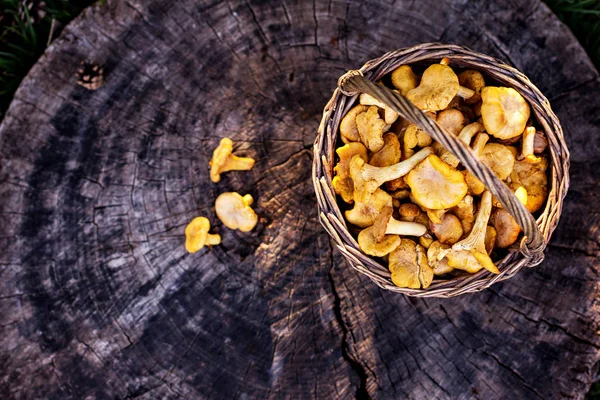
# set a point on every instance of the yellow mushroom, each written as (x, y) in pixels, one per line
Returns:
(499, 158)
(439, 84)
(369, 200)
(490, 238)
(440, 266)
(413, 137)
(466, 135)
(342, 182)
(389, 153)
(507, 229)
(527, 146)
(409, 267)
(532, 176)
(465, 213)
(476, 187)
(371, 129)
(390, 116)
(223, 161)
(452, 120)
(374, 241)
(473, 80)
(504, 112)
(436, 185)
(348, 129)
(449, 230)
(384, 174)
(235, 212)
(404, 79)
(197, 236)
(470, 253)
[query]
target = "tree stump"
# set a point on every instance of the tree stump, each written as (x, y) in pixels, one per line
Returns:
(98, 298)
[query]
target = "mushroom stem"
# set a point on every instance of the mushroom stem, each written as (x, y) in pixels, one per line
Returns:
(465, 92)
(385, 174)
(212, 240)
(395, 227)
(390, 116)
(528, 145)
(235, 163)
(475, 242)
(465, 135)
(247, 200)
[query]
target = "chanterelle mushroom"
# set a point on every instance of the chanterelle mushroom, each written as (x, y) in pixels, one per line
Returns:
(475, 186)
(235, 212)
(473, 80)
(507, 229)
(440, 266)
(435, 185)
(452, 120)
(223, 161)
(342, 182)
(348, 129)
(449, 230)
(409, 267)
(389, 153)
(470, 253)
(404, 79)
(465, 213)
(374, 241)
(439, 85)
(504, 112)
(371, 129)
(499, 158)
(395, 171)
(413, 137)
(465, 135)
(532, 176)
(197, 236)
(390, 116)
(527, 146)
(369, 200)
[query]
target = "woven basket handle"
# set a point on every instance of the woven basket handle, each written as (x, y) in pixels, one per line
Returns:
(353, 82)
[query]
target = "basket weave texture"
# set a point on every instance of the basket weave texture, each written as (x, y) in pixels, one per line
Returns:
(529, 251)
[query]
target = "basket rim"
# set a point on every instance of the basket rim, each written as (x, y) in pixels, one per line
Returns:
(322, 170)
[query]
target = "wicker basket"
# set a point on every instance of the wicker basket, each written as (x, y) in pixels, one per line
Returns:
(529, 251)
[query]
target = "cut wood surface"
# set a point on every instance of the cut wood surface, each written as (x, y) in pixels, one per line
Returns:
(98, 297)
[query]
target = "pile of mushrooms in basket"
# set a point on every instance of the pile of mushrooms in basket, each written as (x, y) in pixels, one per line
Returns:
(410, 202)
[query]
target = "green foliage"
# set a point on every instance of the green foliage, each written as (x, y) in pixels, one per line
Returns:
(25, 29)
(583, 17)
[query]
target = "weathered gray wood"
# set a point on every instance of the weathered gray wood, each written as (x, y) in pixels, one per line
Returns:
(98, 298)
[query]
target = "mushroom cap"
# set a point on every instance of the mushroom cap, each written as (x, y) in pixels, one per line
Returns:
(436, 185)
(366, 209)
(196, 234)
(439, 85)
(219, 158)
(440, 267)
(452, 120)
(342, 182)
(449, 230)
(507, 229)
(404, 79)
(409, 267)
(504, 112)
(413, 137)
(490, 238)
(465, 213)
(369, 244)
(473, 80)
(499, 158)
(235, 211)
(348, 127)
(539, 142)
(389, 153)
(476, 187)
(371, 128)
(532, 176)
